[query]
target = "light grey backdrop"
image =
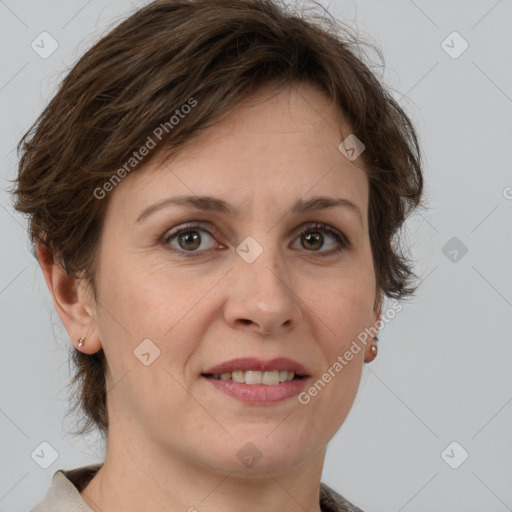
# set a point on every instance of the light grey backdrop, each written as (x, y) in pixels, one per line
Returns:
(443, 373)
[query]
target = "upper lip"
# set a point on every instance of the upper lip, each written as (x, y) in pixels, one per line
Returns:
(263, 365)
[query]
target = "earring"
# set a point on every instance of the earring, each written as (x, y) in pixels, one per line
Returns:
(81, 341)
(374, 349)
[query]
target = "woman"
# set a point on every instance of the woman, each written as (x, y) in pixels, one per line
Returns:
(213, 195)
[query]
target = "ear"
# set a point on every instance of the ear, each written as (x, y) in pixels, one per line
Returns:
(72, 301)
(369, 356)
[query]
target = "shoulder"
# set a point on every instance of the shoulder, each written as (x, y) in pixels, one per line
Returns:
(331, 501)
(64, 492)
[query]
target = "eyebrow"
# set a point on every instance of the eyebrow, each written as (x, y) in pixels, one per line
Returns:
(216, 205)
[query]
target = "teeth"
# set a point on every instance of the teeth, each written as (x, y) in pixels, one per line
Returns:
(238, 376)
(270, 378)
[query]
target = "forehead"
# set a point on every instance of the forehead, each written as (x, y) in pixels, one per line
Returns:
(271, 150)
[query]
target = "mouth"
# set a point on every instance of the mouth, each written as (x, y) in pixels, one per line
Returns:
(251, 370)
(258, 381)
(254, 377)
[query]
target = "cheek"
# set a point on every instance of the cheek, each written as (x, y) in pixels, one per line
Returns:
(346, 303)
(348, 308)
(127, 311)
(137, 295)
(138, 305)
(143, 300)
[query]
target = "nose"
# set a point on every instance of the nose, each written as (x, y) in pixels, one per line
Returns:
(261, 296)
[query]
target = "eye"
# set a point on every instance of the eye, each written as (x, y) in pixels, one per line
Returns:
(188, 238)
(313, 238)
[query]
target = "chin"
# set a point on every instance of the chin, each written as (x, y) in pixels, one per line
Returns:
(257, 455)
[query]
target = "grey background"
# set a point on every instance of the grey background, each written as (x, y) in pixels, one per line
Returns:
(443, 370)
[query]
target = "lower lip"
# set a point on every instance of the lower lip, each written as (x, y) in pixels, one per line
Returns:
(259, 394)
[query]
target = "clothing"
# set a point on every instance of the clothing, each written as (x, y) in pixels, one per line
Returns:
(64, 493)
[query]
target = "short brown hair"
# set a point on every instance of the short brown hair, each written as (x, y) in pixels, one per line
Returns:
(217, 52)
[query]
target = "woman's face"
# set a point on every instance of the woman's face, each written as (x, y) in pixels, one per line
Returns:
(260, 281)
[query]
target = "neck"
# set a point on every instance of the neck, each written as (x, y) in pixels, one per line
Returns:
(147, 477)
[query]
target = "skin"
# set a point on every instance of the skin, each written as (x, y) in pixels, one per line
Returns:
(174, 438)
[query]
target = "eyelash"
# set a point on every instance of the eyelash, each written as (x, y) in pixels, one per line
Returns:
(324, 228)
